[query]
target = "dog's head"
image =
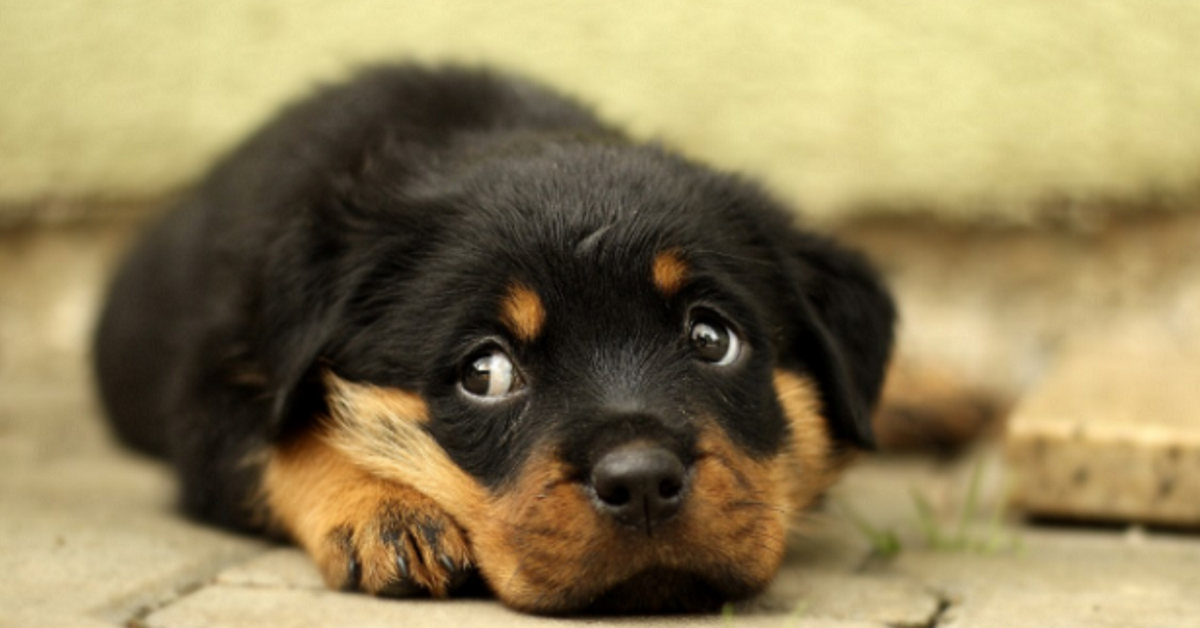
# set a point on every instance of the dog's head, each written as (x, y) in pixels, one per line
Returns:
(619, 371)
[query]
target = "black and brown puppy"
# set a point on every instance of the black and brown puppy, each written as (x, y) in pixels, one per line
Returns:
(438, 321)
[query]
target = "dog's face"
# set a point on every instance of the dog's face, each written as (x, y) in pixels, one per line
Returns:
(613, 374)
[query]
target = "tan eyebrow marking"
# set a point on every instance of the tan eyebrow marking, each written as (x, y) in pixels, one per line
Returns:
(522, 312)
(670, 271)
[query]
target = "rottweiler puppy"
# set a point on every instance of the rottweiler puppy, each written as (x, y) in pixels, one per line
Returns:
(441, 321)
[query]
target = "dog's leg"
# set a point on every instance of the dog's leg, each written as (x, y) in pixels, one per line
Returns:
(215, 443)
(365, 533)
(932, 410)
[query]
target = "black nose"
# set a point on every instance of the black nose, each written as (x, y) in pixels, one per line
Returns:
(639, 485)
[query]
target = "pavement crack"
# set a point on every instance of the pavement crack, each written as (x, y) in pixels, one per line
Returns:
(135, 607)
(944, 603)
(137, 619)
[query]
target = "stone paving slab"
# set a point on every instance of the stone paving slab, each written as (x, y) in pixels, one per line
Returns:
(26, 617)
(88, 537)
(1067, 579)
(87, 531)
(281, 568)
(820, 590)
(1058, 577)
(238, 607)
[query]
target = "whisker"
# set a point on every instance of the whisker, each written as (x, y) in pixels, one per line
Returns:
(736, 506)
(742, 481)
(548, 533)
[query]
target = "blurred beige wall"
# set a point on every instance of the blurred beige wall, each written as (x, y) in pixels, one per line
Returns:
(967, 108)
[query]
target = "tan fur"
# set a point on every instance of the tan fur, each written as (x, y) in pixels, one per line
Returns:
(670, 272)
(927, 409)
(539, 542)
(544, 548)
(342, 514)
(522, 312)
(381, 430)
(813, 460)
(346, 486)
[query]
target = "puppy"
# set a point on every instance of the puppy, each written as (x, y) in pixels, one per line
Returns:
(436, 322)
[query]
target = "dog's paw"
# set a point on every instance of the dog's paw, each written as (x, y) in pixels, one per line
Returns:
(397, 548)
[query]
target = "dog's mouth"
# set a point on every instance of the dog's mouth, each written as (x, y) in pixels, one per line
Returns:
(632, 580)
(661, 590)
(545, 547)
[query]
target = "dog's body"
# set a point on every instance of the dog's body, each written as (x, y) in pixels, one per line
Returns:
(436, 321)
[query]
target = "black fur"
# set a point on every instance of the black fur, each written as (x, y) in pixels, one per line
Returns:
(373, 229)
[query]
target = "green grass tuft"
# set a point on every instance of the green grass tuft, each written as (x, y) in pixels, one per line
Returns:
(886, 543)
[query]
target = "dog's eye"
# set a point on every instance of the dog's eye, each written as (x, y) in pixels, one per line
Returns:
(489, 374)
(713, 340)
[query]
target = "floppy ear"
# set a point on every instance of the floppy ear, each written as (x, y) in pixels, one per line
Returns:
(301, 311)
(316, 286)
(842, 320)
(308, 280)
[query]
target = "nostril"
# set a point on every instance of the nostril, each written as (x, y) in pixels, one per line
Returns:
(613, 495)
(639, 485)
(670, 488)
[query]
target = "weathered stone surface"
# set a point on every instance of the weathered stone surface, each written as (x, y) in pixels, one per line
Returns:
(88, 537)
(1059, 578)
(888, 599)
(85, 530)
(282, 568)
(237, 607)
(25, 617)
(1114, 432)
(815, 584)
(1066, 578)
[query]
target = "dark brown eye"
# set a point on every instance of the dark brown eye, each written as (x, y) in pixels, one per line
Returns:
(489, 374)
(713, 340)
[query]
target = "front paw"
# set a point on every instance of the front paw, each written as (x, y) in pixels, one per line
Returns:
(396, 548)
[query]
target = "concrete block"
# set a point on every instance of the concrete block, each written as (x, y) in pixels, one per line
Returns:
(1113, 433)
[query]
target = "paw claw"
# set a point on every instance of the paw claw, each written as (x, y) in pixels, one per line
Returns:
(399, 549)
(347, 569)
(402, 588)
(458, 577)
(353, 574)
(401, 566)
